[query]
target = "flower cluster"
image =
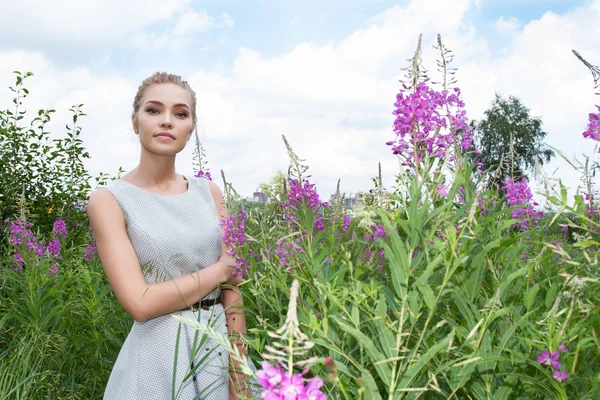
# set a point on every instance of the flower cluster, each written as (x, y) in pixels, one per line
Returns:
(429, 120)
(283, 384)
(551, 360)
(519, 194)
(300, 194)
(286, 252)
(53, 272)
(442, 190)
(277, 384)
(376, 232)
(234, 236)
(203, 174)
(347, 221)
(91, 252)
(22, 237)
(593, 128)
(307, 192)
(60, 228)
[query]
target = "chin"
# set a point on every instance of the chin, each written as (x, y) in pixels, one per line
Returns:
(163, 151)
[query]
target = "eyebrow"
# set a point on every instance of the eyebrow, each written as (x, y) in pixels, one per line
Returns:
(161, 104)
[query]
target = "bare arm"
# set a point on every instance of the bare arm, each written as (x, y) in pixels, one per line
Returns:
(232, 301)
(122, 268)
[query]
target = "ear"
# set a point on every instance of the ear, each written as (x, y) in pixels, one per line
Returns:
(134, 122)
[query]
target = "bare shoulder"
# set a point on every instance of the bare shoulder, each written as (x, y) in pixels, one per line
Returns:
(215, 189)
(103, 207)
(217, 195)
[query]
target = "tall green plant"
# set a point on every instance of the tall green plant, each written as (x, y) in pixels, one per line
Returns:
(45, 176)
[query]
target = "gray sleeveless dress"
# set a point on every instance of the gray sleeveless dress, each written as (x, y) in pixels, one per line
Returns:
(173, 235)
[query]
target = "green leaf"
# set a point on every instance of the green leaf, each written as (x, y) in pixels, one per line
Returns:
(530, 296)
(422, 361)
(383, 369)
(385, 335)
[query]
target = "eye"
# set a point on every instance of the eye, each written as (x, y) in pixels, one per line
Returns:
(182, 114)
(152, 110)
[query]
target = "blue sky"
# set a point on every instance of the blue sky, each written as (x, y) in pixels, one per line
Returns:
(324, 73)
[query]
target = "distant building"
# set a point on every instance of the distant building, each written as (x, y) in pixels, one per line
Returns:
(259, 197)
(350, 200)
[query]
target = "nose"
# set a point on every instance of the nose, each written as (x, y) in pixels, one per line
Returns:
(166, 120)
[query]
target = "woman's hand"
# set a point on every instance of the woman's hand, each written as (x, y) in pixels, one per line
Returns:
(227, 266)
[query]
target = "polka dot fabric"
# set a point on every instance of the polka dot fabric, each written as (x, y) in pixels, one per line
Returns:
(173, 235)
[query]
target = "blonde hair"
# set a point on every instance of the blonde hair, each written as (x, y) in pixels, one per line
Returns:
(164, 77)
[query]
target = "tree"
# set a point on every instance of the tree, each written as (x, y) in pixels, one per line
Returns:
(510, 140)
(275, 188)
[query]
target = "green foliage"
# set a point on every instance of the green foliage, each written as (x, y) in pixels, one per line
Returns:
(422, 295)
(463, 308)
(275, 190)
(510, 141)
(42, 177)
(59, 338)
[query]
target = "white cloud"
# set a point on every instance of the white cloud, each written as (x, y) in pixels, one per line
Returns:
(507, 25)
(192, 22)
(78, 21)
(333, 101)
(184, 32)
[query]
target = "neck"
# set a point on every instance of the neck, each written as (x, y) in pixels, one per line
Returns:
(155, 169)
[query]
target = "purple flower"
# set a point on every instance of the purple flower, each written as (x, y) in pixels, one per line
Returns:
(40, 251)
(429, 121)
(19, 259)
(292, 387)
(91, 252)
(560, 376)
(593, 129)
(19, 230)
(565, 228)
(285, 251)
(277, 384)
(313, 389)
(60, 228)
(234, 236)
(562, 348)
(270, 376)
(53, 271)
(549, 359)
(346, 223)
(519, 194)
(442, 190)
(54, 248)
(304, 193)
(203, 174)
(379, 232)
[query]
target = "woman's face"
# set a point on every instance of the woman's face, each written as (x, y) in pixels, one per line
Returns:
(164, 121)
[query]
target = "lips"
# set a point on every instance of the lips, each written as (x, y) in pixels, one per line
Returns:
(165, 135)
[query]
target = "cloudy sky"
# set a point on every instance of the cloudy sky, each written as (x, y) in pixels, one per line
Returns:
(323, 73)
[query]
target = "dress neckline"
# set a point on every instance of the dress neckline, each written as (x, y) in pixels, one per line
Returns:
(187, 179)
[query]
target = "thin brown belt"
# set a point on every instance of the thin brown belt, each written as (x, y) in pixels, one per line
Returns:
(204, 304)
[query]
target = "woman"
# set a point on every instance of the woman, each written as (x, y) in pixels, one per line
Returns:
(159, 241)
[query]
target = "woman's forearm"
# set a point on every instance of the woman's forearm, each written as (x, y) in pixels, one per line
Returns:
(233, 304)
(176, 294)
(236, 326)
